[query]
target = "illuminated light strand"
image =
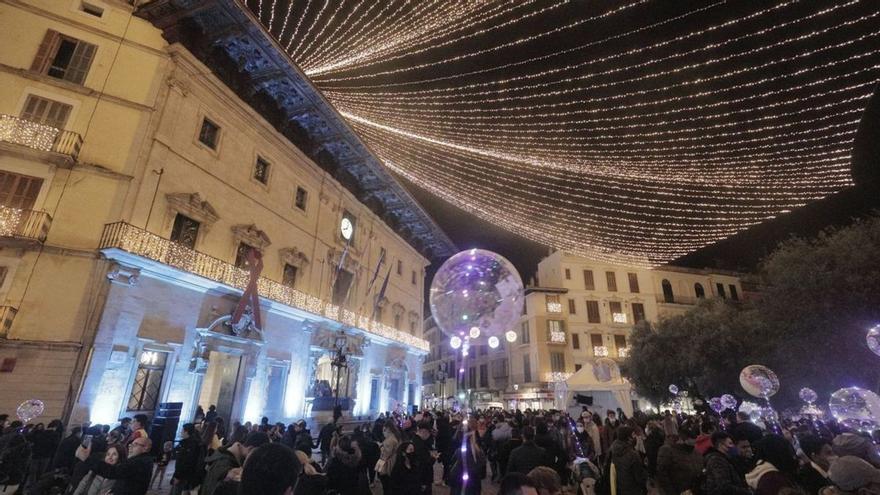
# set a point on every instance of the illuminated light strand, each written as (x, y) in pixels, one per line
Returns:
(516, 181)
(684, 84)
(309, 30)
(641, 163)
(531, 60)
(337, 39)
(323, 28)
(421, 33)
(479, 151)
(322, 70)
(505, 84)
(298, 24)
(332, 36)
(436, 25)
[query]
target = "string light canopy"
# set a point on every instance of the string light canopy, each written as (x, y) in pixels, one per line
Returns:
(633, 131)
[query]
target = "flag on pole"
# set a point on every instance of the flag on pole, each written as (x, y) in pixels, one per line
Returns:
(339, 268)
(381, 294)
(376, 272)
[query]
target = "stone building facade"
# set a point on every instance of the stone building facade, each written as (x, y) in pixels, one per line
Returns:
(143, 161)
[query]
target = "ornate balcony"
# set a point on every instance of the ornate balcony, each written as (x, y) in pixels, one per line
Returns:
(27, 225)
(7, 314)
(139, 242)
(683, 300)
(38, 136)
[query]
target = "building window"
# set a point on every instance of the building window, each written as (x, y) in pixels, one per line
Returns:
(599, 349)
(668, 295)
(288, 277)
(484, 375)
(567, 274)
(241, 255)
(620, 345)
(397, 321)
(341, 287)
(412, 327)
(633, 282)
(638, 312)
(527, 368)
(524, 337)
(91, 9)
(556, 331)
(557, 362)
(261, 170)
(699, 291)
(593, 312)
(147, 381)
(185, 231)
(301, 199)
(472, 377)
(733, 293)
(589, 283)
(720, 288)
(611, 278)
(374, 394)
(553, 304)
(19, 191)
(575, 340)
(63, 57)
(209, 133)
(617, 314)
(46, 111)
(577, 367)
(399, 267)
(572, 307)
(484, 350)
(413, 277)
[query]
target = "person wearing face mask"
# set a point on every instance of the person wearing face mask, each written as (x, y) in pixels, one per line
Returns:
(631, 476)
(813, 475)
(776, 467)
(742, 455)
(584, 439)
(406, 477)
(721, 475)
(852, 476)
(679, 466)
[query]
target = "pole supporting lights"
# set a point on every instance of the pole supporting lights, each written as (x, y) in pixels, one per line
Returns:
(339, 363)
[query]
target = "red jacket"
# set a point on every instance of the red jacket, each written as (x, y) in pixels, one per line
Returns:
(704, 443)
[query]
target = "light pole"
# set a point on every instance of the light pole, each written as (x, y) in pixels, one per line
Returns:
(441, 377)
(339, 362)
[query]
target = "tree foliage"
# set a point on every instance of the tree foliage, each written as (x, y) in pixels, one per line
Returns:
(818, 298)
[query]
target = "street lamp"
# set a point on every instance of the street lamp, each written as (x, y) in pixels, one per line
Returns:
(339, 363)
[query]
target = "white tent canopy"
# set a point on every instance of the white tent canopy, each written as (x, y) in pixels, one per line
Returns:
(602, 382)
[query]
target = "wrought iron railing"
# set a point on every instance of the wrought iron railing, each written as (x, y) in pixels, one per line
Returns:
(142, 243)
(38, 136)
(24, 224)
(661, 298)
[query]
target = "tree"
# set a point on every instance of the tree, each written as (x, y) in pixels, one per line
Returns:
(701, 350)
(818, 299)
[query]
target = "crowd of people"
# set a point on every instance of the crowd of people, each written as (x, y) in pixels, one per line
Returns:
(527, 452)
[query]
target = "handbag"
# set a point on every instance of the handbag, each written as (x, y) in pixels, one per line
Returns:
(380, 466)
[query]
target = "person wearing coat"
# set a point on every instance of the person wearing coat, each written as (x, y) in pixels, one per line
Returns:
(679, 466)
(189, 467)
(312, 481)
(527, 456)
(722, 478)
(14, 462)
(343, 468)
(132, 474)
(406, 477)
(93, 484)
(388, 455)
(631, 475)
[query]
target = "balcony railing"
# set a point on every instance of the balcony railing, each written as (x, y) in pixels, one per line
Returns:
(7, 314)
(677, 299)
(24, 224)
(137, 241)
(38, 136)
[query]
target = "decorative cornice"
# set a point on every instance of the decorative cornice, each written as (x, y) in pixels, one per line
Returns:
(251, 235)
(293, 256)
(192, 205)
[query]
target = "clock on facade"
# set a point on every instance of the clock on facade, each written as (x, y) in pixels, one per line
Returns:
(346, 228)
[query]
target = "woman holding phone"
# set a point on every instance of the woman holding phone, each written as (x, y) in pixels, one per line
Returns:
(93, 484)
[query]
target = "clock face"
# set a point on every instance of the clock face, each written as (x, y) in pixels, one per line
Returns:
(346, 228)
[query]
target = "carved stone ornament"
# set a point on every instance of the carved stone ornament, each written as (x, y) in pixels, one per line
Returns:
(397, 309)
(123, 275)
(251, 235)
(413, 317)
(192, 205)
(293, 256)
(349, 264)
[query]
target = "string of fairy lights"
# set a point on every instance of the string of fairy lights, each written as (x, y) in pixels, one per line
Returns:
(633, 132)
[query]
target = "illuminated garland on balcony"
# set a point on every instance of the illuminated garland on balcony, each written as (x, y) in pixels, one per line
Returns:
(633, 132)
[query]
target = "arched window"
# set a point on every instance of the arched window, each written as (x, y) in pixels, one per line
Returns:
(698, 289)
(668, 296)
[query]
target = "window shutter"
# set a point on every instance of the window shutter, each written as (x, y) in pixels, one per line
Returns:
(80, 62)
(44, 111)
(47, 49)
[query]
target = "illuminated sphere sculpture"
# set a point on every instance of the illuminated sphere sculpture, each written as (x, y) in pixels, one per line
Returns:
(476, 294)
(673, 389)
(29, 410)
(873, 338)
(759, 381)
(808, 395)
(716, 405)
(856, 408)
(728, 401)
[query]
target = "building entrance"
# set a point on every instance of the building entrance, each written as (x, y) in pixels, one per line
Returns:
(221, 384)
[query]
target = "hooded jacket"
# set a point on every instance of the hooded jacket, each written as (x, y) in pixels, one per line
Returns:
(342, 471)
(217, 465)
(765, 479)
(679, 468)
(631, 476)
